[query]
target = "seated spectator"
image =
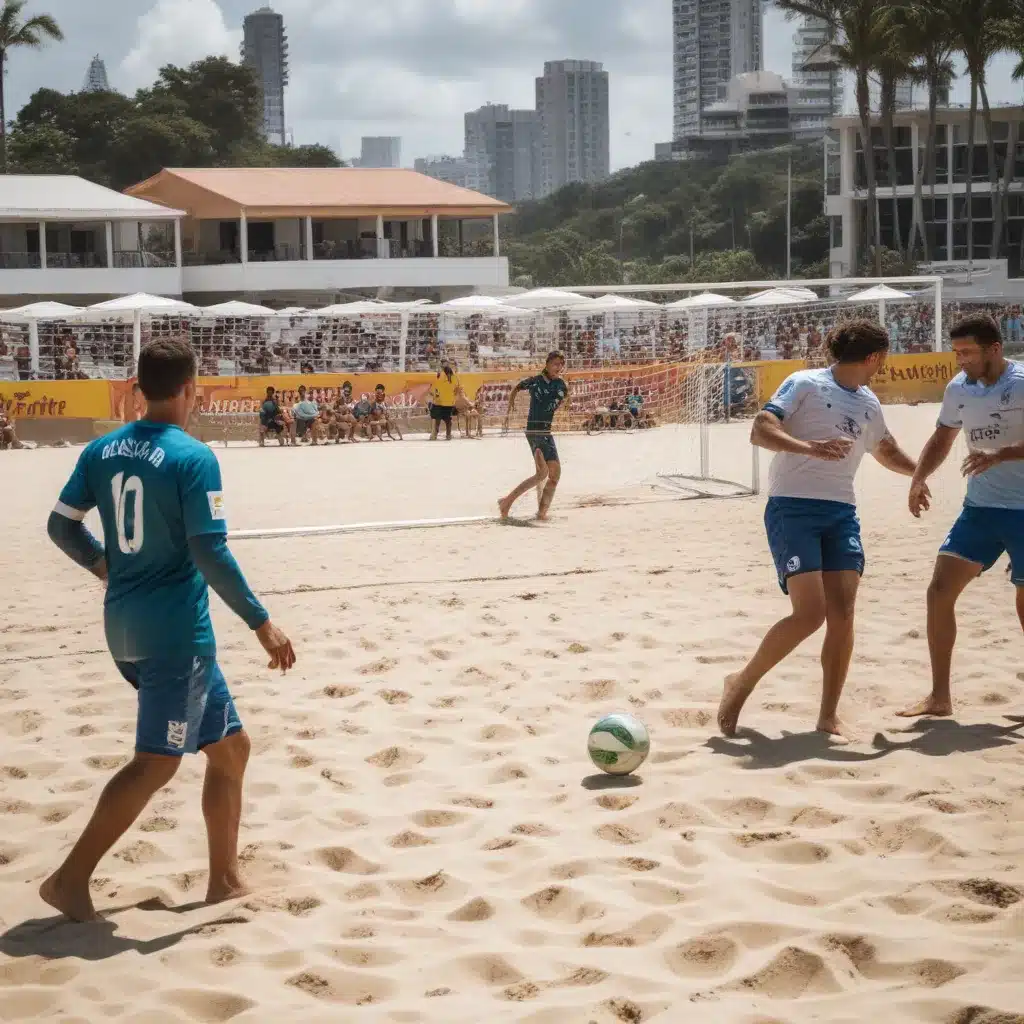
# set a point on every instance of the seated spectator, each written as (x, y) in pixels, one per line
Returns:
(306, 413)
(634, 407)
(381, 406)
(361, 411)
(271, 420)
(8, 437)
(468, 414)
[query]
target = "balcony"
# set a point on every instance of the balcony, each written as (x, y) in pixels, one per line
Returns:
(79, 259)
(311, 255)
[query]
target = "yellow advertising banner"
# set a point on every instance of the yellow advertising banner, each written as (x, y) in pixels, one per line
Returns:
(906, 378)
(910, 378)
(57, 399)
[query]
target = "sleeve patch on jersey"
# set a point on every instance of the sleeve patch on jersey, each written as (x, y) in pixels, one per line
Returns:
(216, 500)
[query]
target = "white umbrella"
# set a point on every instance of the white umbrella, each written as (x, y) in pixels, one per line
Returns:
(700, 301)
(237, 309)
(776, 297)
(294, 311)
(360, 309)
(547, 298)
(140, 302)
(879, 293)
(480, 305)
(40, 311)
(620, 304)
(475, 301)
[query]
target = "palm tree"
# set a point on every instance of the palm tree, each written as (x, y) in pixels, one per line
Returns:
(14, 33)
(895, 64)
(978, 27)
(928, 31)
(859, 32)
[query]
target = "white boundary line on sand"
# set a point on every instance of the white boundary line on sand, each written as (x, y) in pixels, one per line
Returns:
(381, 527)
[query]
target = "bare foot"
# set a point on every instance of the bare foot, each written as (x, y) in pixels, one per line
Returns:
(543, 517)
(504, 507)
(835, 730)
(226, 889)
(71, 901)
(929, 706)
(734, 696)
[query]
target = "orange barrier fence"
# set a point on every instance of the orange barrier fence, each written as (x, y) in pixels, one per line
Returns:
(906, 378)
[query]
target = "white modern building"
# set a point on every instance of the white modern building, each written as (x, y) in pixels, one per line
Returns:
(308, 233)
(713, 41)
(265, 50)
(96, 77)
(575, 130)
(380, 151)
(303, 235)
(951, 252)
(816, 95)
(67, 237)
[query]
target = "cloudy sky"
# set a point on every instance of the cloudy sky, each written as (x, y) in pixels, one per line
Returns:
(401, 67)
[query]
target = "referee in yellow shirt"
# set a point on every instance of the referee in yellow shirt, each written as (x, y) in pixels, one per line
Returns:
(442, 400)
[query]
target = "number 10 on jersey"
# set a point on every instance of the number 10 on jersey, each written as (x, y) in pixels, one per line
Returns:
(121, 490)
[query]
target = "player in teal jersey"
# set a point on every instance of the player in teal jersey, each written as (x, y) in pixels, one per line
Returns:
(160, 501)
(548, 390)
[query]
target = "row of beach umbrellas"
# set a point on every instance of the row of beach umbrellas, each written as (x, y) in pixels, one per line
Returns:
(131, 307)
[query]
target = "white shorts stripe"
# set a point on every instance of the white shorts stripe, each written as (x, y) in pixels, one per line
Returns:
(68, 512)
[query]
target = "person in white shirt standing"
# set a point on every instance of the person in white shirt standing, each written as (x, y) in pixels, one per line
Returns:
(986, 401)
(819, 423)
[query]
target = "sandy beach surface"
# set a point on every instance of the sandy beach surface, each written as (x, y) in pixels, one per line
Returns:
(424, 832)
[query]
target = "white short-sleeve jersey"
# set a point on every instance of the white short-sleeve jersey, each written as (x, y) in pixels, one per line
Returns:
(992, 417)
(815, 407)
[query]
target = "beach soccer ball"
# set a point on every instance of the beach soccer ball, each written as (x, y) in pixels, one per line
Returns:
(619, 744)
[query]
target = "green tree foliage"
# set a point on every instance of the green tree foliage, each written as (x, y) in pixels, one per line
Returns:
(637, 227)
(206, 115)
(44, 149)
(17, 33)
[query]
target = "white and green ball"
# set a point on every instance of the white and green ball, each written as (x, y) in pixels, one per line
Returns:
(619, 744)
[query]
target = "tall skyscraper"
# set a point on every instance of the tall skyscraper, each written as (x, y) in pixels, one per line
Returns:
(381, 151)
(96, 77)
(713, 40)
(265, 50)
(572, 103)
(503, 152)
(816, 94)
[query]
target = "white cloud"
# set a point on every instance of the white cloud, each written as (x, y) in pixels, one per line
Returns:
(177, 32)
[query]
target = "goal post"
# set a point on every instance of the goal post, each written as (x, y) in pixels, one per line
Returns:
(734, 342)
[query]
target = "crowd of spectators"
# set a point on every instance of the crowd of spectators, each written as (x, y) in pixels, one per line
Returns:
(373, 342)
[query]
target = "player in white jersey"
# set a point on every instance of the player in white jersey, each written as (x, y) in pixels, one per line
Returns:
(986, 401)
(819, 423)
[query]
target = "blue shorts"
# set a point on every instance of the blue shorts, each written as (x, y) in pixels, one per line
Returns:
(811, 535)
(184, 704)
(982, 535)
(543, 443)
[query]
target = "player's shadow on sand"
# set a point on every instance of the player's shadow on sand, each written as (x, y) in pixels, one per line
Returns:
(930, 737)
(602, 781)
(57, 938)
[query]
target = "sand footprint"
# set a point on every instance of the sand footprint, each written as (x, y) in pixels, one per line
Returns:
(702, 957)
(338, 858)
(645, 931)
(477, 909)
